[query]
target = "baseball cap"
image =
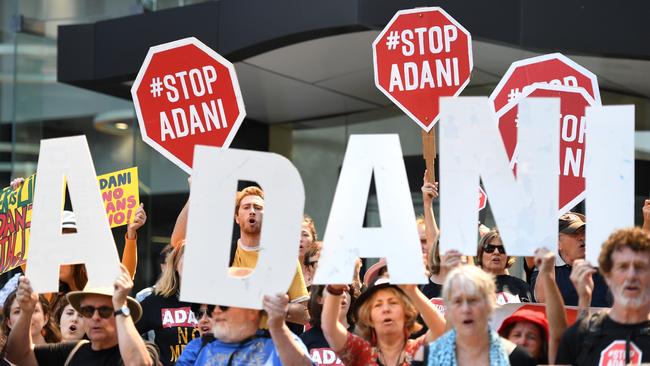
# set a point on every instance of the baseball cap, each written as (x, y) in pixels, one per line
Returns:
(570, 222)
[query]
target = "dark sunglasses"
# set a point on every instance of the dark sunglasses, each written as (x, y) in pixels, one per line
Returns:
(199, 313)
(489, 248)
(312, 263)
(105, 312)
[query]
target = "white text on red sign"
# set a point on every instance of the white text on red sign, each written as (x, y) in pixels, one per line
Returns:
(186, 85)
(413, 75)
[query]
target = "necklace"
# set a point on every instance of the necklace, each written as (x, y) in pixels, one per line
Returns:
(400, 356)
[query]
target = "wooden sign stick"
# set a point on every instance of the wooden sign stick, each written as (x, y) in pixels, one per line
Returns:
(429, 153)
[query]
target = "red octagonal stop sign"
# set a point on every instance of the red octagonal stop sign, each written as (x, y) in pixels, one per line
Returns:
(421, 55)
(554, 69)
(186, 94)
(573, 127)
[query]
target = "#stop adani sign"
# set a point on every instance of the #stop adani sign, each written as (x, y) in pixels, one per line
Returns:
(421, 55)
(552, 75)
(186, 94)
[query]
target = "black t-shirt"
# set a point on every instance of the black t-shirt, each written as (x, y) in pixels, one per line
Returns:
(320, 351)
(55, 354)
(173, 323)
(515, 286)
(314, 338)
(604, 346)
(519, 357)
(432, 289)
(600, 296)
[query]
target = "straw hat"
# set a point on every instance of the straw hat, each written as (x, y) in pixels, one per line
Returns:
(75, 297)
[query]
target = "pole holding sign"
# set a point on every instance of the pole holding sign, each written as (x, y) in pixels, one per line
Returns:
(185, 95)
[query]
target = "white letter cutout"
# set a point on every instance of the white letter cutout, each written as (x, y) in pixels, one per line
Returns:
(346, 238)
(609, 174)
(93, 243)
(209, 227)
(525, 209)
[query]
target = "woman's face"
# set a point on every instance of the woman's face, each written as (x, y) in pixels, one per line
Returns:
(386, 312)
(529, 336)
(70, 324)
(205, 321)
(38, 318)
(66, 274)
(467, 312)
(306, 240)
(496, 261)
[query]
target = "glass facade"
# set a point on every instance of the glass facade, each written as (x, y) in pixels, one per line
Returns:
(34, 106)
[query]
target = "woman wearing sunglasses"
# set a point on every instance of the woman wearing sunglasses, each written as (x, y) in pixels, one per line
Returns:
(171, 320)
(492, 257)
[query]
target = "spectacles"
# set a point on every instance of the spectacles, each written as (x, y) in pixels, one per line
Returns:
(105, 312)
(489, 248)
(312, 263)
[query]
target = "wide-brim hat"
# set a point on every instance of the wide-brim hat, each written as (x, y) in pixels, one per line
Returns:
(381, 284)
(372, 273)
(571, 222)
(527, 315)
(75, 297)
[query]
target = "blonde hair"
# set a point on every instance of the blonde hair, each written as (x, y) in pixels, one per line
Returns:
(472, 280)
(307, 220)
(364, 326)
(169, 281)
(248, 191)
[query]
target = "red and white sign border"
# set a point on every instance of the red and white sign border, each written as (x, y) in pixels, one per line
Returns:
(143, 69)
(374, 59)
(537, 59)
(525, 93)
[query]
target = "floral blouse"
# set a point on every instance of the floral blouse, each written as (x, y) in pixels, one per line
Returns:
(359, 352)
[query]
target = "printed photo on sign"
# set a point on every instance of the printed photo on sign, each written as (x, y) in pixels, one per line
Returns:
(15, 221)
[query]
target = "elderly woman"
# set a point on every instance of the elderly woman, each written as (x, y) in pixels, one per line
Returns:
(386, 316)
(491, 256)
(470, 298)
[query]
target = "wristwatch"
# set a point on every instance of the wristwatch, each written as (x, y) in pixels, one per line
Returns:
(124, 310)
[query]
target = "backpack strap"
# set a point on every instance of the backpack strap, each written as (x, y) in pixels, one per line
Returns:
(589, 330)
(74, 350)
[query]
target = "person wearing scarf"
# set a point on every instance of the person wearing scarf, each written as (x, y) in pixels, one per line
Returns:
(470, 299)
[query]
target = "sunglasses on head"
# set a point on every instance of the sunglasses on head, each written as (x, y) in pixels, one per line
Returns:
(105, 312)
(489, 248)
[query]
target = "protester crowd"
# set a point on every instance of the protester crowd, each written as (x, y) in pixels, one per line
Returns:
(364, 322)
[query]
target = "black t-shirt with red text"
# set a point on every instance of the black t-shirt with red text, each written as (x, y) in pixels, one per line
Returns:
(606, 344)
(320, 351)
(172, 322)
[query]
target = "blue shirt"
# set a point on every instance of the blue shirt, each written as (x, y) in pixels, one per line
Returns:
(259, 351)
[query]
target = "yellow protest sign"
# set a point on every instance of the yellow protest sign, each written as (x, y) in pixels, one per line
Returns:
(15, 221)
(120, 195)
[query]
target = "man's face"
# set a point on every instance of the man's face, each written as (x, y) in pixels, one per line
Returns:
(235, 324)
(572, 246)
(250, 214)
(629, 278)
(97, 328)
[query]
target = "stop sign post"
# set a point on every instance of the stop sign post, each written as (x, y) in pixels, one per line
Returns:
(186, 94)
(573, 127)
(421, 55)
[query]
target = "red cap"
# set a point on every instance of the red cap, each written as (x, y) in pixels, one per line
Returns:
(527, 315)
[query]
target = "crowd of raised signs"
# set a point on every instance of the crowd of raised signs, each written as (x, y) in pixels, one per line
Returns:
(473, 311)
